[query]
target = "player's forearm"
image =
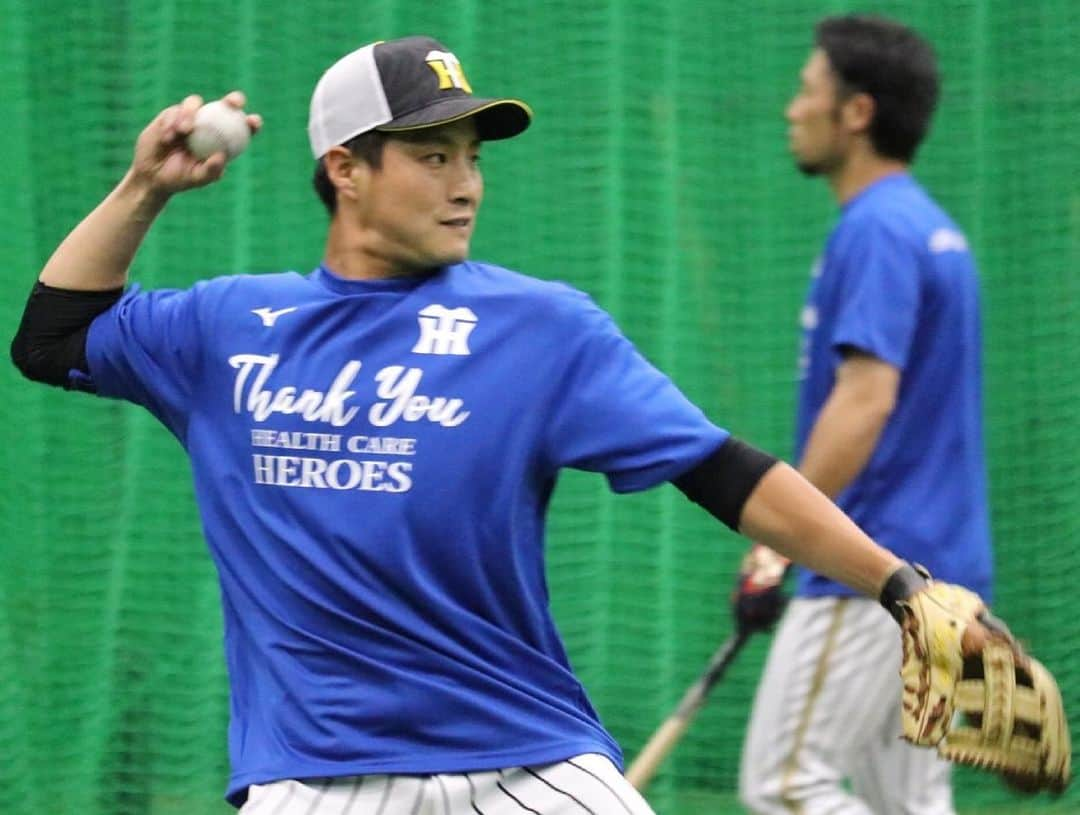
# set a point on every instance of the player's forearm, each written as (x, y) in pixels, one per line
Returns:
(96, 255)
(788, 514)
(843, 439)
(839, 447)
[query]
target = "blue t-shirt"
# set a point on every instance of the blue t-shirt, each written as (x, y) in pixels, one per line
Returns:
(897, 281)
(372, 463)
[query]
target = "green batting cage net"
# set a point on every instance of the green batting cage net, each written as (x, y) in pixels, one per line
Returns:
(655, 178)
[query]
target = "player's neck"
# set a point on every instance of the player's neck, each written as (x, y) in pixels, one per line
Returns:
(355, 256)
(862, 168)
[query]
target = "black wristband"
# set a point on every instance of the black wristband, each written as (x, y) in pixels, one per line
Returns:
(901, 584)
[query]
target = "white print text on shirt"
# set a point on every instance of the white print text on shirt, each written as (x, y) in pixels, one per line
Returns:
(397, 388)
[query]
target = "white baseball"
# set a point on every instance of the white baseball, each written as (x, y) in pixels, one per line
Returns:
(219, 128)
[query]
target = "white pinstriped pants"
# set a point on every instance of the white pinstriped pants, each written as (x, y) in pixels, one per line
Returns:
(828, 710)
(584, 785)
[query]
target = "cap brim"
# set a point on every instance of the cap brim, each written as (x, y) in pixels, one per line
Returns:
(495, 118)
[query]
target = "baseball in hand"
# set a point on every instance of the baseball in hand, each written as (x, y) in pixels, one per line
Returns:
(219, 128)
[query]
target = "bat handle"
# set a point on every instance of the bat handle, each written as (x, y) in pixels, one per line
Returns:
(652, 756)
(669, 733)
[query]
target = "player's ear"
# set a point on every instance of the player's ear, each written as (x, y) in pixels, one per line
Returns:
(346, 172)
(858, 112)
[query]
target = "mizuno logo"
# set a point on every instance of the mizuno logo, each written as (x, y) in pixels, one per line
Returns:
(269, 316)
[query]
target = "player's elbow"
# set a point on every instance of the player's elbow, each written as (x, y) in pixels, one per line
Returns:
(23, 358)
(30, 361)
(50, 344)
(49, 361)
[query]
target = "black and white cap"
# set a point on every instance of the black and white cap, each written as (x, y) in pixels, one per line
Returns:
(405, 84)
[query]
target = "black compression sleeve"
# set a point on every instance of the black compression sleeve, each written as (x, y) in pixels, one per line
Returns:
(51, 341)
(722, 482)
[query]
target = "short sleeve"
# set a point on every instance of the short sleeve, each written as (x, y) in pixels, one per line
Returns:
(146, 349)
(879, 293)
(617, 414)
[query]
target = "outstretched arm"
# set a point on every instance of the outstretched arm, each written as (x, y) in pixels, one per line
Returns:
(791, 516)
(769, 501)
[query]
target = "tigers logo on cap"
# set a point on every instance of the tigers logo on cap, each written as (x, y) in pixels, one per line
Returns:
(447, 67)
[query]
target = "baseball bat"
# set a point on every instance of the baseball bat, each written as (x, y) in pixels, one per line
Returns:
(669, 733)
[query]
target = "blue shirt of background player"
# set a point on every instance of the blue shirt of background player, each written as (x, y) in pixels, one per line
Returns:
(380, 551)
(897, 281)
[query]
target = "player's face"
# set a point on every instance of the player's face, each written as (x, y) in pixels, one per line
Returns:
(815, 135)
(420, 206)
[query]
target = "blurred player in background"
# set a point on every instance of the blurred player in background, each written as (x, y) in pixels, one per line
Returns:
(374, 446)
(889, 426)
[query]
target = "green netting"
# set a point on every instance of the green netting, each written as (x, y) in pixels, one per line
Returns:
(656, 178)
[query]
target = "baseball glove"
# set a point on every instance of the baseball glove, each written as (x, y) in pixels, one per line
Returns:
(958, 659)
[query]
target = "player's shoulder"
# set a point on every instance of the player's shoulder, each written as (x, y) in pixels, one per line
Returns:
(221, 295)
(216, 294)
(899, 209)
(519, 290)
(254, 284)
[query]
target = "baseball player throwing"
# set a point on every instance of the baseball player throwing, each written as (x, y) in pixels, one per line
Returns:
(374, 444)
